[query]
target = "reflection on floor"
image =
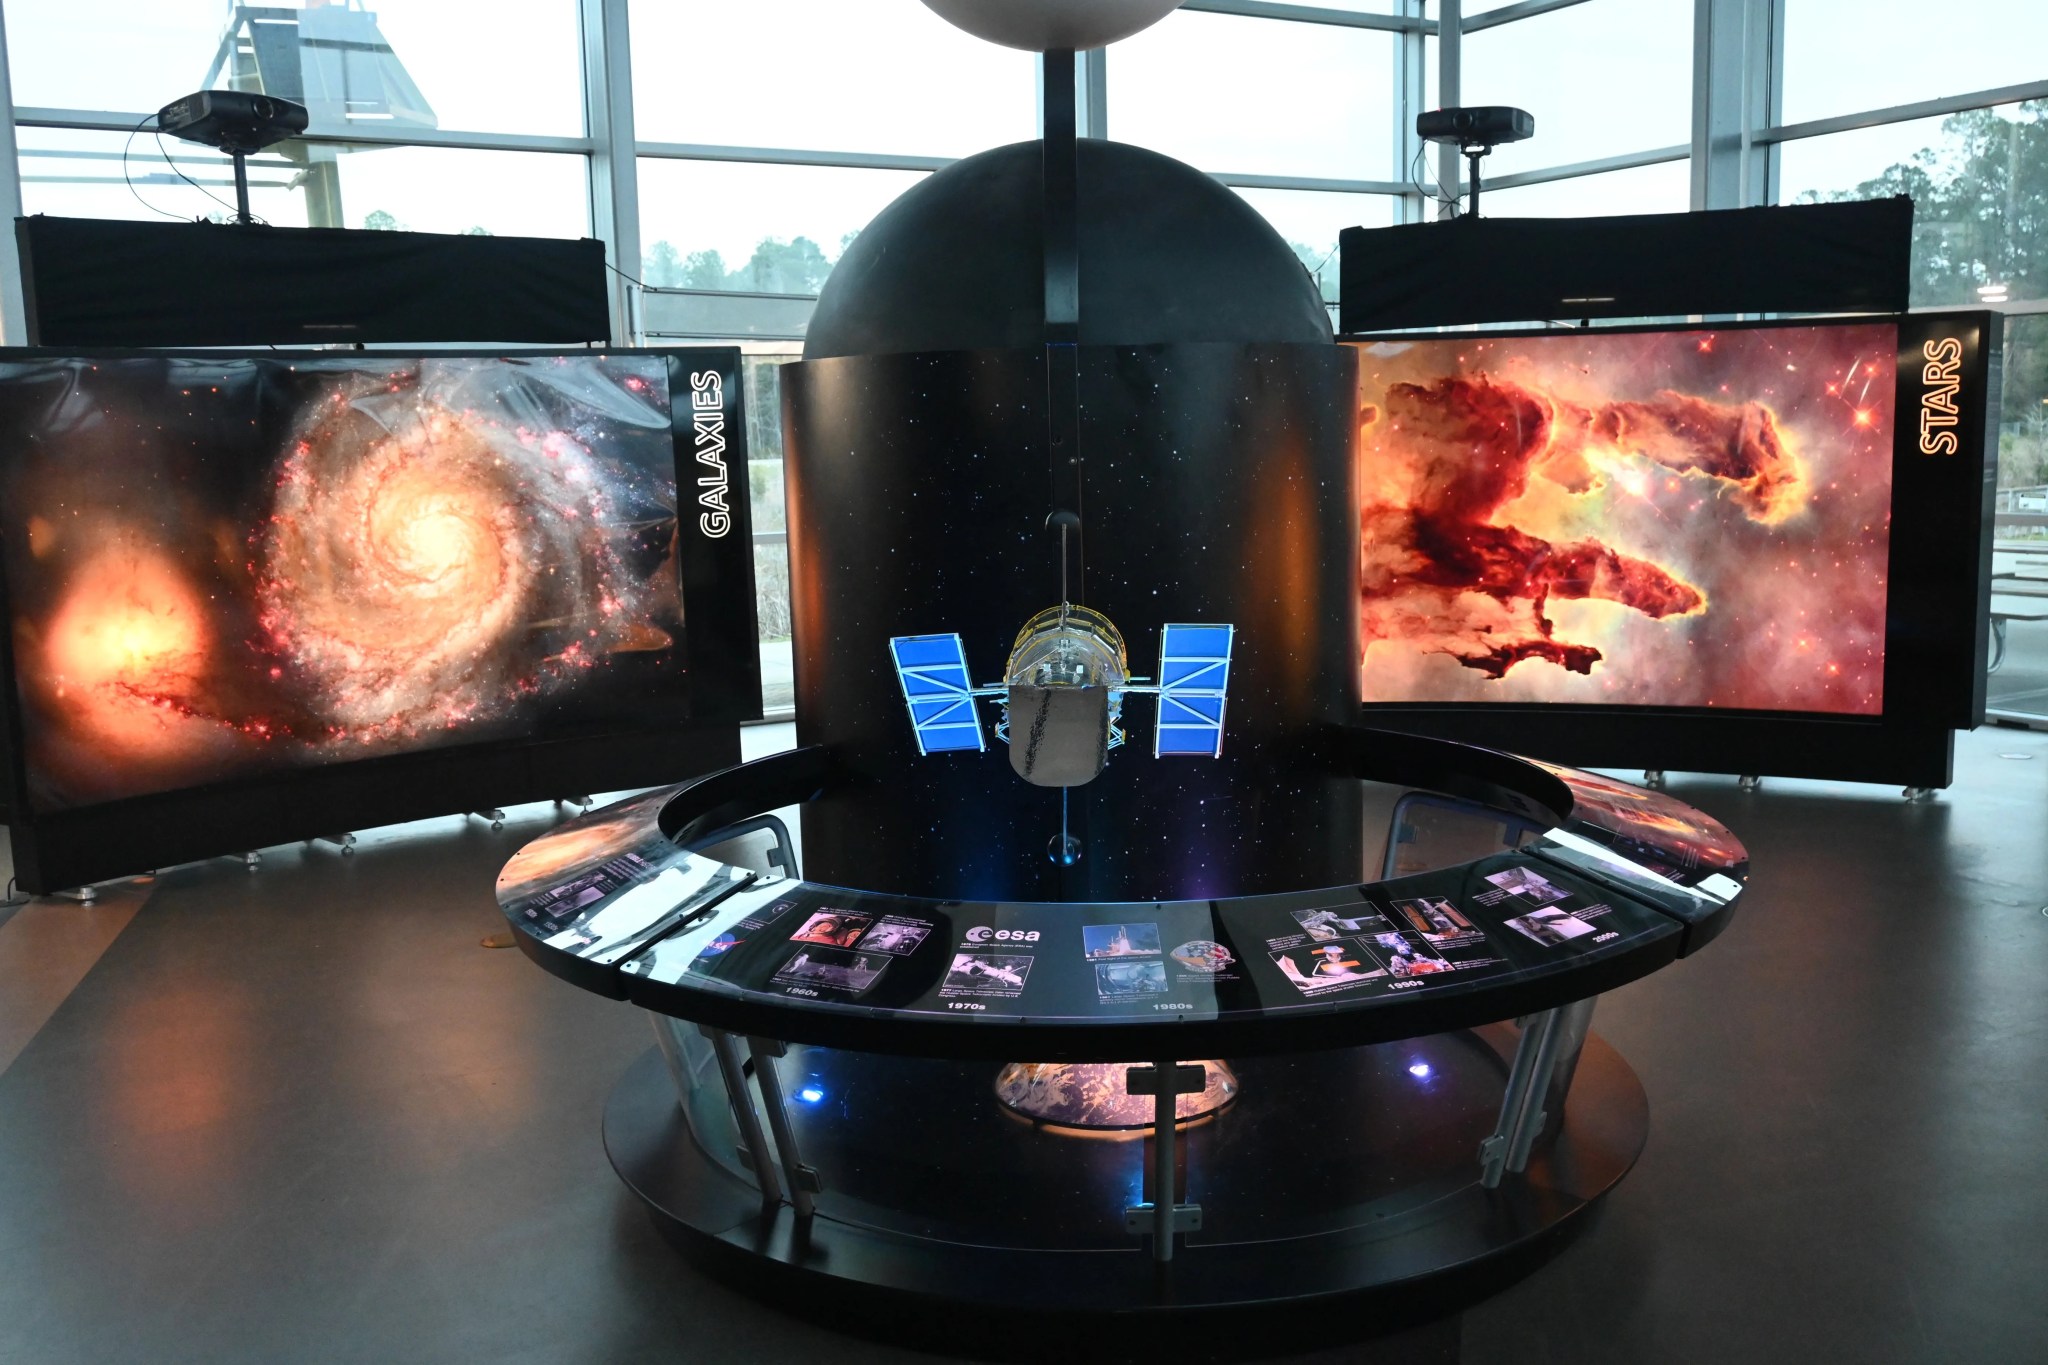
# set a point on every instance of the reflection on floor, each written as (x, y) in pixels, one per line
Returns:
(302, 1116)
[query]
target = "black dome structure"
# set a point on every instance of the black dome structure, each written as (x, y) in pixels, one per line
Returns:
(1167, 255)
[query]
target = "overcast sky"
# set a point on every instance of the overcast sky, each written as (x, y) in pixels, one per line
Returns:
(1226, 93)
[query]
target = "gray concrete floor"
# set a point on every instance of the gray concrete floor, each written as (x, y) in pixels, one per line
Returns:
(302, 1115)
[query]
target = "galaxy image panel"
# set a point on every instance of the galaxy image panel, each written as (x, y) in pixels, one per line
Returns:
(1694, 518)
(220, 568)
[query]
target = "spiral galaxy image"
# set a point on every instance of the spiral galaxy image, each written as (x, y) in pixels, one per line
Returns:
(221, 568)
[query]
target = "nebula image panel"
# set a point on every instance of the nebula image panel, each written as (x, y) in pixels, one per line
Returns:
(1696, 518)
(220, 568)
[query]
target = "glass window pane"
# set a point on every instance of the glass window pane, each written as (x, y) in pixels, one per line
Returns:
(1846, 56)
(825, 75)
(753, 227)
(2019, 645)
(1979, 182)
(427, 189)
(1601, 79)
(512, 66)
(80, 174)
(1257, 96)
(440, 189)
(1311, 219)
(1663, 188)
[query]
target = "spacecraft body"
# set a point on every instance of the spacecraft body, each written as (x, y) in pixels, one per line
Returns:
(1062, 694)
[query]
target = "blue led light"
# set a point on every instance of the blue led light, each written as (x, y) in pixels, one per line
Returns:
(1420, 1071)
(810, 1094)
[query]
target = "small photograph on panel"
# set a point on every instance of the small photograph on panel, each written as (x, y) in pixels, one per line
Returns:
(1326, 967)
(894, 934)
(999, 974)
(1120, 940)
(1326, 924)
(1528, 884)
(833, 969)
(1409, 954)
(1130, 980)
(1436, 919)
(1550, 927)
(839, 928)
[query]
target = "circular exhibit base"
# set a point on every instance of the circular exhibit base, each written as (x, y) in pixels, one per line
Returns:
(1093, 1095)
(1346, 1181)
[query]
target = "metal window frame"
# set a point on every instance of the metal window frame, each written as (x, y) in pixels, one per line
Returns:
(1737, 86)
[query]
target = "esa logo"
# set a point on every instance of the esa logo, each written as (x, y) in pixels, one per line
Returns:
(981, 933)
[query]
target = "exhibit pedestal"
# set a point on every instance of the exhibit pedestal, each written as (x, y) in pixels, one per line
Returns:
(1349, 1179)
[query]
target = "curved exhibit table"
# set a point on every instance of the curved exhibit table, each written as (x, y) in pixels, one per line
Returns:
(1376, 1123)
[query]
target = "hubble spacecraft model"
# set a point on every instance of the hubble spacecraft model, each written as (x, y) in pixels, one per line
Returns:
(1063, 691)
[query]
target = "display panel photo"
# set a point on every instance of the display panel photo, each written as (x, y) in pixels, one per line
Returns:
(1697, 517)
(219, 568)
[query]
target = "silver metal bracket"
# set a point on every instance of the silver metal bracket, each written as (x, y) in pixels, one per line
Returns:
(1749, 784)
(496, 817)
(1189, 1078)
(802, 1180)
(1142, 1219)
(1521, 1105)
(1918, 795)
(345, 842)
(84, 895)
(1653, 778)
(1163, 1219)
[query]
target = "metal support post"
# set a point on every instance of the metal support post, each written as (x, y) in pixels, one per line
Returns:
(13, 312)
(1748, 783)
(753, 1143)
(1092, 86)
(84, 895)
(1738, 47)
(1450, 63)
(1165, 1216)
(345, 842)
(1410, 99)
(1521, 1105)
(1529, 1122)
(495, 816)
(803, 1180)
(1653, 778)
(614, 162)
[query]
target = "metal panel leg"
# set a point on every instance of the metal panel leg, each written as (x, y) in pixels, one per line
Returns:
(1166, 1082)
(1528, 1078)
(754, 1144)
(1574, 1022)
(803, 1180)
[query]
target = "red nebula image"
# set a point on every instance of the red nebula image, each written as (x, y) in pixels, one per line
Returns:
(1649, 817)
(219, 568)
(1689, 518)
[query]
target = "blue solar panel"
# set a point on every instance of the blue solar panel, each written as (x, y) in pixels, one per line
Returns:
(938, 691)
(1194, 673)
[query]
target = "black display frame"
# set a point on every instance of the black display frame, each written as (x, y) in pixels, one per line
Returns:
(1937, 608)
(54, 850)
